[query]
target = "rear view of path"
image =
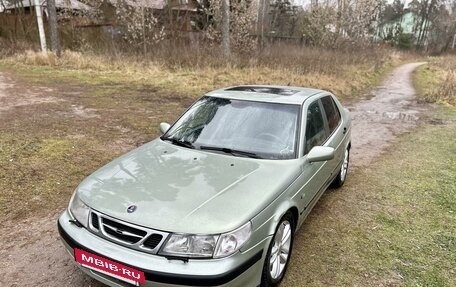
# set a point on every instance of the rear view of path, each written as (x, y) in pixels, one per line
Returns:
(31, 252)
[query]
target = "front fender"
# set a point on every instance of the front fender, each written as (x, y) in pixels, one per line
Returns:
(264, 224)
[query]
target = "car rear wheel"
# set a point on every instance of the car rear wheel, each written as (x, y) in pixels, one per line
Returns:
(279, 252)
(342, 176)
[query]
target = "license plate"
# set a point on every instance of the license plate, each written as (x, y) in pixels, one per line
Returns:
(109, 267)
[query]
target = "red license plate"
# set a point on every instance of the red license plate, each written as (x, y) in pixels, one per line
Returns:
(109, 267)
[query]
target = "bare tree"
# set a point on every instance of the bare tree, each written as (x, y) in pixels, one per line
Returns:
(453, 30)
(441, 27)
(425, 11)
(2, 3)
(233, 31)
(263, 19)
(55, 42)
(141, 28)
(226, 27)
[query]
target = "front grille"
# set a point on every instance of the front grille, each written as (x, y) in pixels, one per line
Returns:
(152, 241)
(122, 231)
(127, 234)
(95, 222)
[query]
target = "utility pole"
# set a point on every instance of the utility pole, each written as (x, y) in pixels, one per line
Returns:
(226, 27)
(55, 44)
(39, 20)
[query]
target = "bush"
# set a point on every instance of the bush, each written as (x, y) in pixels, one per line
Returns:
(405, 41)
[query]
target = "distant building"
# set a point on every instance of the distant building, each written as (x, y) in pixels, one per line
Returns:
(150, 4)
(61, 5)
(179, 12)
(406, 24)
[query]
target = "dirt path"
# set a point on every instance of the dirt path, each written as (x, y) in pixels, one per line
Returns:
(31, 251)
(391, 111)
(11, 97)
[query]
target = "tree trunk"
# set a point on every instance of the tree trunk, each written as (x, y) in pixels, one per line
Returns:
(143, 24)
(424, 17)
(340, 16)
(260, 24)
(55, 44)
(263, 20)
(226, 27)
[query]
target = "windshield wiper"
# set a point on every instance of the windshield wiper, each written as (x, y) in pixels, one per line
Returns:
(231, 151)
(182, 143)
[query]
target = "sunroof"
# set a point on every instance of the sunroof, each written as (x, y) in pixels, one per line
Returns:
(266, 90)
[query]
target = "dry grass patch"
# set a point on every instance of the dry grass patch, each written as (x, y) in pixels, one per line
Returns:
(436, 82)
(344, 73)
(48, 148)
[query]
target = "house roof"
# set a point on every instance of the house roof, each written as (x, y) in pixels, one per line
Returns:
(62, 4)
(157, 4)
(153, 4)
(185, 7)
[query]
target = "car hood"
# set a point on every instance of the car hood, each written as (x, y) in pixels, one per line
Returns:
(178, 189)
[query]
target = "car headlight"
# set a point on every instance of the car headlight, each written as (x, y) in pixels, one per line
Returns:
(79, 210)
(207, 246)
(231, 242)
(186, 245)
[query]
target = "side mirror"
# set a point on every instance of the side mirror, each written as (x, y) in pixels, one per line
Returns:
(164, 127)
(320, 153)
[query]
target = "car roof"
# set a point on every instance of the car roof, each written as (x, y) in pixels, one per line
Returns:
(267, 93)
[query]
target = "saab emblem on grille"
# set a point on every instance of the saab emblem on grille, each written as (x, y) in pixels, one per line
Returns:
(131, 208)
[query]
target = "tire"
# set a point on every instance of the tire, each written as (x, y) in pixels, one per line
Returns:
(281, 243)
(342, 175)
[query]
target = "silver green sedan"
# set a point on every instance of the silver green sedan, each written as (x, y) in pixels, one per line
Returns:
(216, 200)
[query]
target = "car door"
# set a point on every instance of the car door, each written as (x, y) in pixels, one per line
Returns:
(336, 135)
(312, 178)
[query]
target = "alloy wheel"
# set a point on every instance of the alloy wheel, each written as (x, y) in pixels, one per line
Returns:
(280, 250)
(344, 168)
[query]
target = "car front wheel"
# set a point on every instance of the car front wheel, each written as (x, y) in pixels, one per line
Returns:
(279, 252)
(342, 176)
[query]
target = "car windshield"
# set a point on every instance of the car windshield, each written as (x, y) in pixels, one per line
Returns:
(239, 128)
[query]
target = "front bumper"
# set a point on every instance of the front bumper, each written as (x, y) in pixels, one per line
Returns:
(242, 269)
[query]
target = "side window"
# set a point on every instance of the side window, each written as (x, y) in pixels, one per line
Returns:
(315, 127)
(332, 113)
